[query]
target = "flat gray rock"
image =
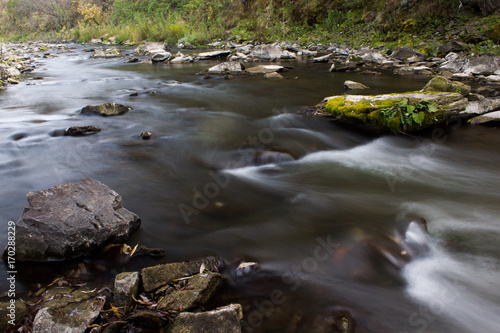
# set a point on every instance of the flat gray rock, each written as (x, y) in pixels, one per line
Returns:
(71, 220)
(222, 320)
(492, 117)
(106, 109)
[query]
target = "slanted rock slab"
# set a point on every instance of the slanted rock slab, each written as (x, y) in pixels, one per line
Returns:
(488, 118)
(263, 69)
(106, 109)
(227, 68)
(160, 275)
(213, 55)
(72, 220)
(222, 320)
(199, 290)
(352, 85)
(68, 309)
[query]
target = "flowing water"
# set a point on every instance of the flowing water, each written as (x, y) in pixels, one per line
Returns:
(329, 227)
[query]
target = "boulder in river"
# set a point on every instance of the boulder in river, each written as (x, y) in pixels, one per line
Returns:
(267, 52)
(263, 69)
(352, 85)
(442, 84)
(399, 113)
(72, 220)
(213, 55)
(150, 48)
(106, 109)
(106, 53)
(225, 319)
(488, 118)
(227, 68)
(81, 130)
(161, 57)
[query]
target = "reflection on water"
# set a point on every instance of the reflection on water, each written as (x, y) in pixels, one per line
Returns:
(198, 192)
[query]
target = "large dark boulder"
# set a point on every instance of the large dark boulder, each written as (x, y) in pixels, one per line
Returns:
(72, 220)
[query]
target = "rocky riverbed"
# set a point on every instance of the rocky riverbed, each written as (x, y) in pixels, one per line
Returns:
(180, 295)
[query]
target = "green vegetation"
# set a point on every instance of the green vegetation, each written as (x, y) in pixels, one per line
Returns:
(355, 22)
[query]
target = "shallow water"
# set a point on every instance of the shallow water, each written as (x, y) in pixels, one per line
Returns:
(195, 198)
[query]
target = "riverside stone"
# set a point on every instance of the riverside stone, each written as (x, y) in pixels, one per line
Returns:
(442, 84)
(352, 85)
(126, 289)
(383, 113)
(227, 68)
(263, 69)
(222, 320)
(198, 290)
(72, 220)
(160, 275)
(492, 117)
(213, 55)
(68, 309)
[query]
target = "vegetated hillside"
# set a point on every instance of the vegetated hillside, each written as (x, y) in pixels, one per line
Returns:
(199, 21)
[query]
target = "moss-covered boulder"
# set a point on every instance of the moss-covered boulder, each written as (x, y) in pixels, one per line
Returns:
(442, 84)
(399, 113)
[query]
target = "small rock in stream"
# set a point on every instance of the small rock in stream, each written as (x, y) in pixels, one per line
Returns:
(81, 130)
(106, 109)
(146, 135)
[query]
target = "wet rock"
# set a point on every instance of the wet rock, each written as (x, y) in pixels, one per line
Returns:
(324, 58)
(160, 275)
(149, 317)
(213, 55)
(161, 57)
(227, 68)
(484, 65)
(452, 46)
(198, 290)
(222, 320)
(404, 53)
(383, 113)
(481, 107)
(267, 52)
(488, 118)
(273, 76)
(126, 289)
(11, 313)
(95, 41)
(106, 53)
(72, 220)
(246, 268)
(106, 109)
(487, 91)
(81, 130)
(352, 85)
(409, 70)
(68, 309)
(149, 48)
(181, 58)
(133, 60)
(263, 69)
(146, 135)
(442, 84)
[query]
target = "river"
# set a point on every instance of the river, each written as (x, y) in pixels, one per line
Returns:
(354, 192)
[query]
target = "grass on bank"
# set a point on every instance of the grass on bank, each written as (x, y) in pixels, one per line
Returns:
(352, 22)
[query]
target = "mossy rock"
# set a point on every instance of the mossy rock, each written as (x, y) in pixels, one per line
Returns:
(442, 84)
(494, 33)
(398, 113)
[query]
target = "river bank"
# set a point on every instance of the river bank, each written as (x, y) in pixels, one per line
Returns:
(335, 185)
